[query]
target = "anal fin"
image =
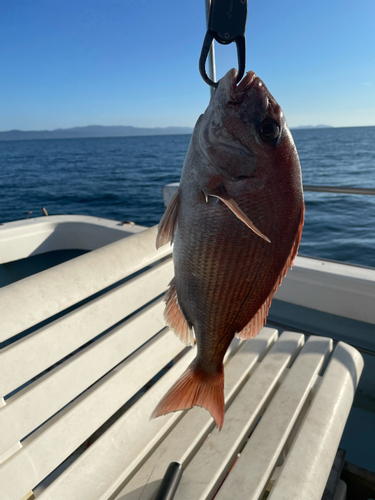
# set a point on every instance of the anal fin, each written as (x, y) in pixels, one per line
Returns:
(168, 223)
(257, 322)
(175, 318)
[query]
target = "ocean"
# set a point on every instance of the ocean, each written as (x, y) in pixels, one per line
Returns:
(121, 178)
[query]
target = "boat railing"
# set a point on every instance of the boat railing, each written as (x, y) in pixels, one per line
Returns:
(339, 189)
(170, 189)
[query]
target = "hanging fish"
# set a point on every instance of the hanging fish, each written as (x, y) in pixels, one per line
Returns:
(236, 222)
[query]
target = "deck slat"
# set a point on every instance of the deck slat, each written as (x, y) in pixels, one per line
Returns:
(32, 355)
(124, 447)
(252, 471)
(309, 462)
(208, 468)
(52, 443)
(39, 401)
(51, 291)
(127, 443)
(184, 440)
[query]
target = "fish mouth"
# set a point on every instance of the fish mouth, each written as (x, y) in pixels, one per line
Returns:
(246, 83)
(238, 93)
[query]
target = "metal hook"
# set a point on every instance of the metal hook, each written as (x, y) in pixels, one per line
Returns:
(226, 24)
(208, 39)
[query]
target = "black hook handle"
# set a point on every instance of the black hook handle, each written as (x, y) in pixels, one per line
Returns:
(226, 24)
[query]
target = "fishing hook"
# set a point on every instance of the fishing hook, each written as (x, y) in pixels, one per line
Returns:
(226, 24)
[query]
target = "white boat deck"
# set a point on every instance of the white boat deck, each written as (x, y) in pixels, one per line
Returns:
(83, 341)
(34, 236)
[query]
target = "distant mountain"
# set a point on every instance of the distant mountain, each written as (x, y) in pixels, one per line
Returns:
(313, 126)
(91, 131)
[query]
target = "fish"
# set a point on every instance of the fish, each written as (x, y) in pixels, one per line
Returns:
(235, 223)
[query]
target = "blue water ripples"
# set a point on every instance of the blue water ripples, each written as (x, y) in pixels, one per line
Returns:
(122, 178)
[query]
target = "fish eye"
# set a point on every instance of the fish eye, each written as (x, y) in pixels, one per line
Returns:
(269, 130)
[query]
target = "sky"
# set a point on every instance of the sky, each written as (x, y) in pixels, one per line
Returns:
(68, 63)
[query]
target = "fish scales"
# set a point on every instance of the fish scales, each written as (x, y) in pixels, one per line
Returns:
(236, 222)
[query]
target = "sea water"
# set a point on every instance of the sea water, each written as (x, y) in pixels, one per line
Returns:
(122, 178)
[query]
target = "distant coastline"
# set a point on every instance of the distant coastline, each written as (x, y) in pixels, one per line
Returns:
(311, 126)
(91, 131)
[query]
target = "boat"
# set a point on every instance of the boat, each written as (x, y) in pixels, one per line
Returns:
(32, 245)
(317, 297)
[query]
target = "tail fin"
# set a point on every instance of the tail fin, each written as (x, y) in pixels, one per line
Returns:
(195, 387)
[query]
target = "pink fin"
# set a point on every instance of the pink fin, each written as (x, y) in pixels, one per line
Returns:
(195, 388)
(168, 223)
(174, 316)
(219, 192)
(257, 322)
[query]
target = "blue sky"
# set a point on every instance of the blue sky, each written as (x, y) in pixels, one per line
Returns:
(66, 63)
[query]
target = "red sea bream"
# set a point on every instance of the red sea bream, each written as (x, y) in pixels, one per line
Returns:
(236, 222)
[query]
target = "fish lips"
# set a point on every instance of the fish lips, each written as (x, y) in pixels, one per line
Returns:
(229, 94)
(238, 93)
(246, 83)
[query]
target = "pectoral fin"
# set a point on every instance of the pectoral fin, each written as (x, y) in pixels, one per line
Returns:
(219, 192)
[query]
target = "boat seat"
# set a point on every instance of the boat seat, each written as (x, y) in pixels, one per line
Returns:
(85, 357)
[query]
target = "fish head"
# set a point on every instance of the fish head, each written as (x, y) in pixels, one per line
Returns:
(244, 134)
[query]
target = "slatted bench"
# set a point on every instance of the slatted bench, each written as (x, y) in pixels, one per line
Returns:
(85, 357)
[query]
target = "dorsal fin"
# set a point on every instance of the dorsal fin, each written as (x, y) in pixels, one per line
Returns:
(257, 322)
(168, 223)
(175, 318)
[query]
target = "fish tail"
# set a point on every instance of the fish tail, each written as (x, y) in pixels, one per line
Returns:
(195, 387)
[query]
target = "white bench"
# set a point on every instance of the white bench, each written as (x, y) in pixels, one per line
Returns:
(75, 421)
